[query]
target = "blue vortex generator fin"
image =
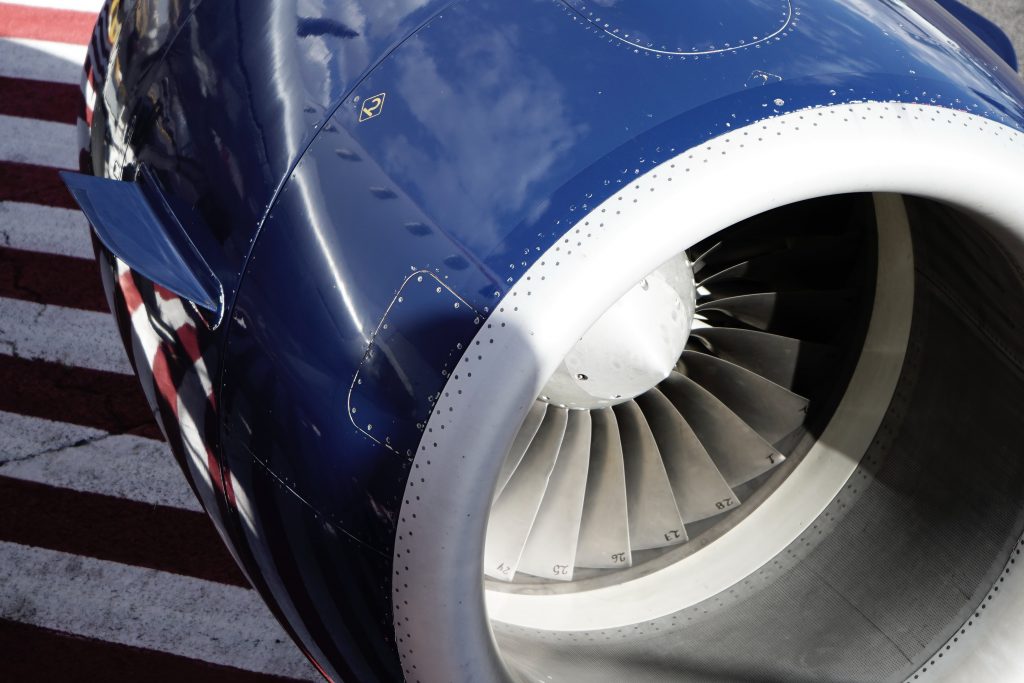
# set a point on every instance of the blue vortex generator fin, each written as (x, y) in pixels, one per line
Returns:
(135, 222)
(984, 28)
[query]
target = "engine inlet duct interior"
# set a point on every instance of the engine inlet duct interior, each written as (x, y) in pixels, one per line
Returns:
(674, 410)
(782, 361)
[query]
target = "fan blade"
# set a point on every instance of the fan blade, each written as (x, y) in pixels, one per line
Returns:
(513, 514)
(550, 550)
(772, 411)
(737, 450)
(522, 441)
(780, 359)
(803, 314)
(604, 533)
(654, 520)
(812, 225)
(700, 490)
(823, 261)
(700, 262)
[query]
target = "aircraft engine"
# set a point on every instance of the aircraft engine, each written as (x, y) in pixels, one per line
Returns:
(583, 340)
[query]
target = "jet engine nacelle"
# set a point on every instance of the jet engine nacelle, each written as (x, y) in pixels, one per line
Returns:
(577, 340)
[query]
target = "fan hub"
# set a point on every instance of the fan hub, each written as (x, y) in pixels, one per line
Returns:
(633, 346)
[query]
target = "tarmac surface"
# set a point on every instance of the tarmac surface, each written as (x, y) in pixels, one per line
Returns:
(108, 567)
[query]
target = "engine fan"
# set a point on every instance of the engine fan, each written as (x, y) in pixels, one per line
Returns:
(765, 321)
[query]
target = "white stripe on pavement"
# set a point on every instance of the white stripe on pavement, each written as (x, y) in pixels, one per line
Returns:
(48, 229)
(22, 436)
(86, 339)
(146, 608)
(41, 60)
(43, 143)
(93, 6)
(91, 461)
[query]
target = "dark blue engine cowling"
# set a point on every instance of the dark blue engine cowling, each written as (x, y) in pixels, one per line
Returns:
(374, 180)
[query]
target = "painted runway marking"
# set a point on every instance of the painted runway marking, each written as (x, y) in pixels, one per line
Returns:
(91, 6)
(146, 608)
(41, 60)
(20, 182)
(84, 339)
(46, 229)
(29, 276)
(121, 465)
(45, 23)
(110, 401)
(43, 100)
(43, 143)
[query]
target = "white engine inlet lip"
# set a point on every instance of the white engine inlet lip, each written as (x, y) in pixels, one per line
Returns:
(441, 623)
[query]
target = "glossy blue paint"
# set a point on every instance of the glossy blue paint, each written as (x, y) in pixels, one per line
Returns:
(136, 224)
(501, 125)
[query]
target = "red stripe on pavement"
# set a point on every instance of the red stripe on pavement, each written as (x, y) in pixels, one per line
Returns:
(115, 529)
(34, 184)
(43, 23)
(93, 398)
(60, 102)
(39, 654)
(51, 279)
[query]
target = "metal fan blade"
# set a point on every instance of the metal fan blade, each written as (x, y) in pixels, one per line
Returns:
(700, 262)
(522, 441)
(700, 490)
(513, 514)
(772, 411)
(723, 254)
(737, 450)
(774, 357)
(654, 519)
(825, 261)
(550, 550)
(803, 314)
(604, 533)
(811, 226)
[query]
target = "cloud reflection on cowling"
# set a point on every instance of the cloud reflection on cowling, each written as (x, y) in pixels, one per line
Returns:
(511, 130)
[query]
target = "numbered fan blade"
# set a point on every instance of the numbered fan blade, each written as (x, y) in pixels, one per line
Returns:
(772, 411)
(513, 514)
(737, 450)
(700, 490)
(604, 534)
(551, 548)
(654, 519)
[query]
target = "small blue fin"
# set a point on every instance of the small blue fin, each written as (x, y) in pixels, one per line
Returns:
(134, 221)
(984, 28)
